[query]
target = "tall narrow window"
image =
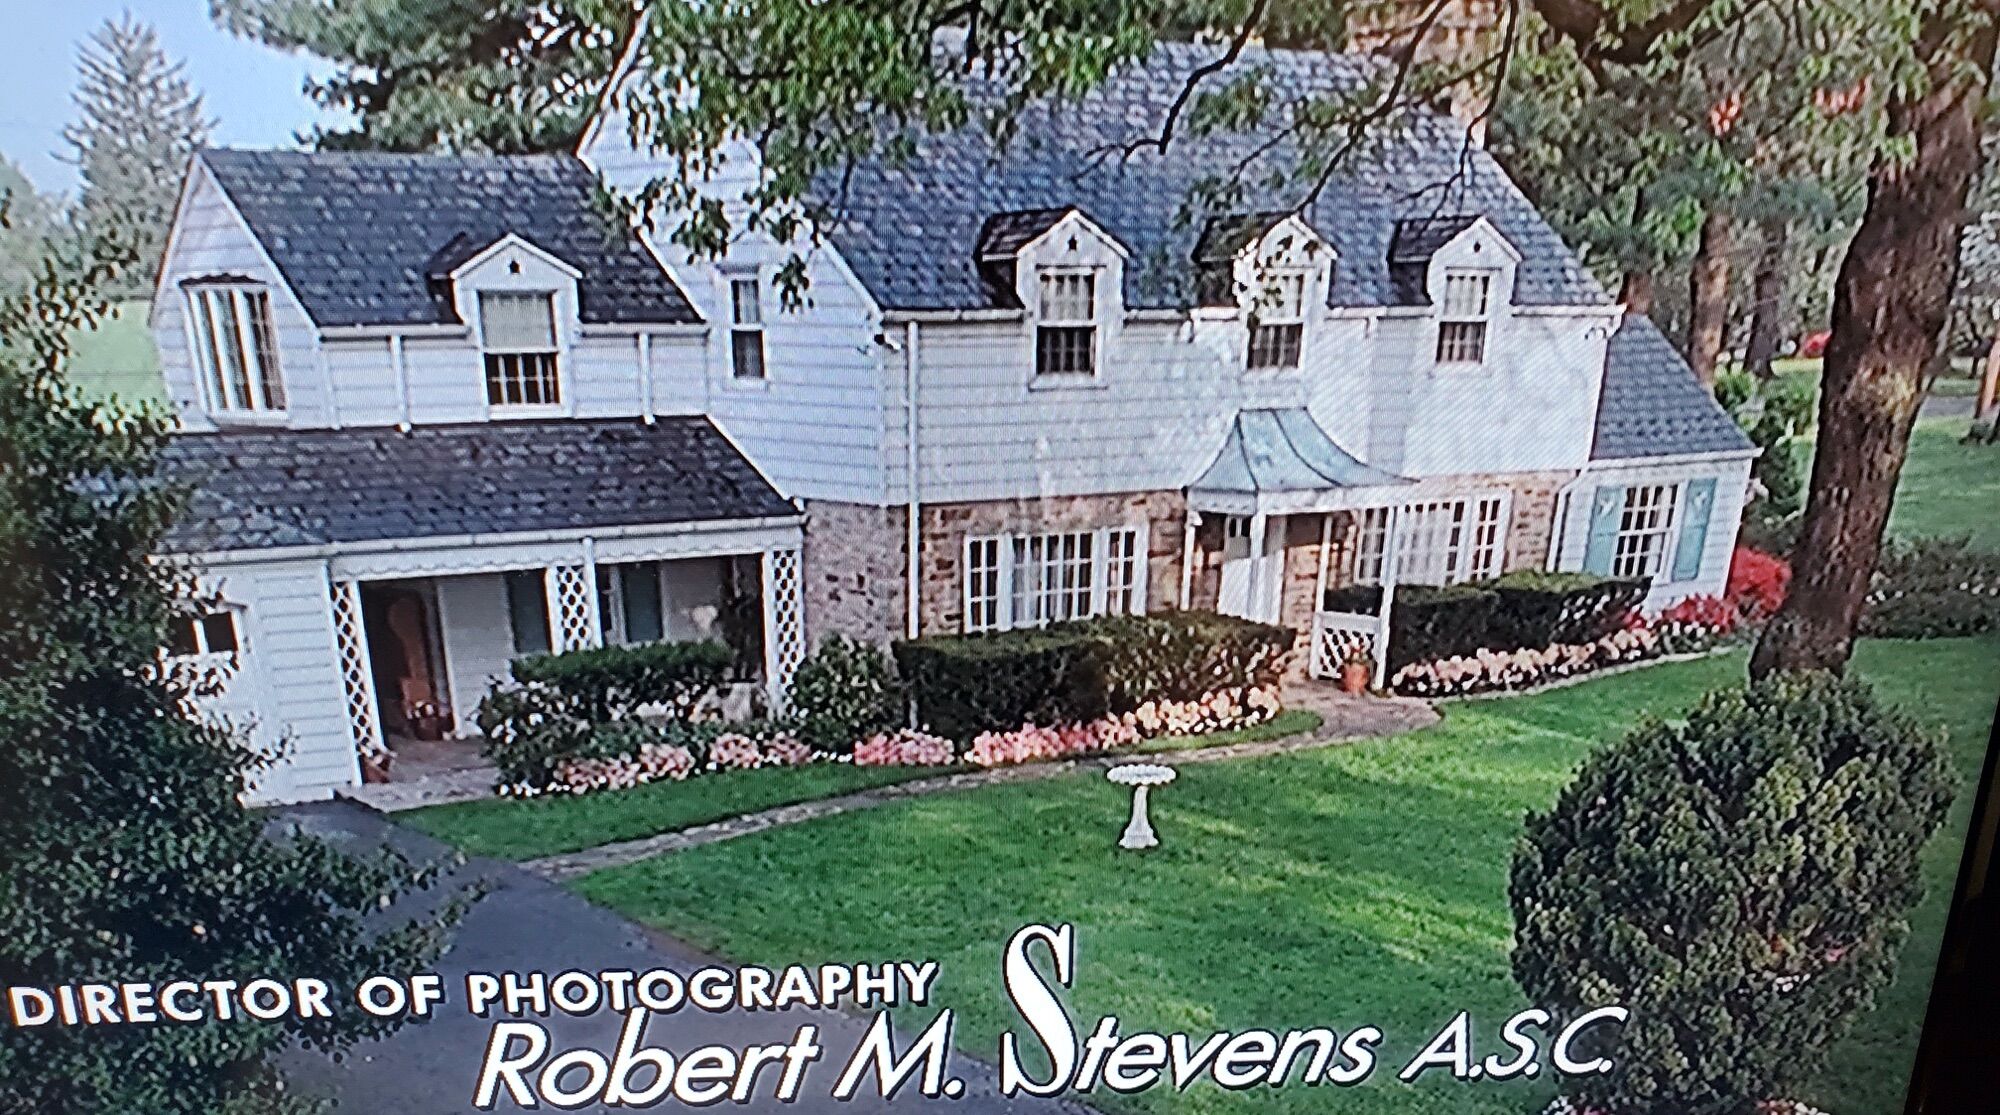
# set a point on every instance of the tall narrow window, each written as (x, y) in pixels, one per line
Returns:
(1468, 298)
(1066, 324)
(630, 603)
(1277, 327)
(746, 329)
(1124, 575)
(528, 610)
(518, 331)
(237, 349)
(982, 584)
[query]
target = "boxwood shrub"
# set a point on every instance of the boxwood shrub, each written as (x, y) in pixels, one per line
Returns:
(1070, 672)
(1520, 610)
(611, 682)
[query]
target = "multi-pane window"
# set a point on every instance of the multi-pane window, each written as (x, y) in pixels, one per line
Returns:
(630, 603)
(1645, 527)
(1066, 324)
(1441, 541)
(201, 636)
(1277, 328)
(236, 348)
(518, 333)
(746, 329)
(1035, 579)
(1468, 298)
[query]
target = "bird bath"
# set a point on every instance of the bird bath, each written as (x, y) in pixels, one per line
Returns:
(1141, 777)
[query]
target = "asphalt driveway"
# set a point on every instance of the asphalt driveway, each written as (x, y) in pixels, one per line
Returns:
(523, 923)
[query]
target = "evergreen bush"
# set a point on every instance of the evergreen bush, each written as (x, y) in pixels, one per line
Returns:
(1933, 588)
(1740, 883)
(1523, 610)
(844, 692)
(612, 682)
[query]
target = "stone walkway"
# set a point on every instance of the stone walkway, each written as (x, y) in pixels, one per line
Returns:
(1344, 718)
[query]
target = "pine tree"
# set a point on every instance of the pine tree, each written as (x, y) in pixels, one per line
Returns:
(138, 121)
(27, 224)
(1741, 884)
(125, 852)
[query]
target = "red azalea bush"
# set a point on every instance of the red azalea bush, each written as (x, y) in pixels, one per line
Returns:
(1697, 623)
(1757, 583)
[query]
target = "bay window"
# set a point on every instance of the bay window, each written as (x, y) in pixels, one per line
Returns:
(518, 335)
(1030, 580)
(236, 348)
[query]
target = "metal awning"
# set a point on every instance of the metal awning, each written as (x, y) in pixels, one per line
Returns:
(1279, 461)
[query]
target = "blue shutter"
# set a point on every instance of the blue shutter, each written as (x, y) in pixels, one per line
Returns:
(641, 591)
(528, 611)
(1605, 509)
(1694, 529)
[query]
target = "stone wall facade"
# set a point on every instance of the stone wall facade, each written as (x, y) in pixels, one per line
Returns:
(854, 571)
(945, 527)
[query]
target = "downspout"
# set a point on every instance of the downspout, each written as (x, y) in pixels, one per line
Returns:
(646, 376)
(402, 382)
(912, 525)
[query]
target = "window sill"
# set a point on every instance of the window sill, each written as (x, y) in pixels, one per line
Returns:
(265, 418)
(1459, 367)
(509, 413)
(734, 382)
(1275, 371)
(1069, 382)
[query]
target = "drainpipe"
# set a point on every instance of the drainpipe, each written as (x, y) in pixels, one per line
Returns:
(912, 527)
(402, 381)
(646, 376)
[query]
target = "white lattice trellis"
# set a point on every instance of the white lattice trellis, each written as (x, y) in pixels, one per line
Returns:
(1337, 635)
(572, 607)
(784, 623)
(357, 678)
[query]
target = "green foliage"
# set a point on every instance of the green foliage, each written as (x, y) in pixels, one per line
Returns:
(1519, 610)
(462, 75)
(28, 228)
(125, 851)
(138, 122)
(611, 682)
(1933, 588)
(1735, 391)
(967, 684)
(1741, 883)
(844, 692)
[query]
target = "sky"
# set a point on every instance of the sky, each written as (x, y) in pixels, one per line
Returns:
(253, 93)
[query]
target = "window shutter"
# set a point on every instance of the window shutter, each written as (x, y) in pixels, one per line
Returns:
(644, 622)
(528, 611)
(1604, 511)
(1694, 529)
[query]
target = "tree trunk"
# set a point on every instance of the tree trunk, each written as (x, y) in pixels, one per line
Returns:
(1768, 298)
(1708, 296)
(1890, 304)
(1637, 292)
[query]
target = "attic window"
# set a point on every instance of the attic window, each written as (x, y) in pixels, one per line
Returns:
(1066, 323)
(1462, 321)
(236, 348)
(518, 333)
(746, 329)
(1277, 325)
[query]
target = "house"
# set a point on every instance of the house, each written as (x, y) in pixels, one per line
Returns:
(1037, 383)
(442, 411)
(437, 413)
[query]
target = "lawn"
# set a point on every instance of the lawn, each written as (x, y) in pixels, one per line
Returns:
(1357, 884)
(1948, 488)
(529, 828)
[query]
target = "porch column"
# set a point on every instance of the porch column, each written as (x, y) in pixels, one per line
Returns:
(357, 672)
(784, 625)
(1259, 523)
(1391, 548)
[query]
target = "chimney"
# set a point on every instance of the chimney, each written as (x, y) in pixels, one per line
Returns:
(1463, 30)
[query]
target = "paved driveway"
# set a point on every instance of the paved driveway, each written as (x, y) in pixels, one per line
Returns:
(524, 924)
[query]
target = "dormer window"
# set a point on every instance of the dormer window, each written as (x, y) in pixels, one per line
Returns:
(746, 329)
(518, 335)
(236, 348)
(1463, 318)
(1278, 323)
(1066, 323)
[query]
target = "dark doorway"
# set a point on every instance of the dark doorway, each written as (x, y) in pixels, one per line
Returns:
(406, 651)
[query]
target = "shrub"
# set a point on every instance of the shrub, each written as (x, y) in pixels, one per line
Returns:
(530, 731)
(1735, 390)
(1697, 623)
(1740, 882)
(1933, 588)
(1521, 610)
(1486, 671)
(844, 692)
(1071, 673)
(1030, 744)
(906, 747)
(1757, 583)
(606, 683)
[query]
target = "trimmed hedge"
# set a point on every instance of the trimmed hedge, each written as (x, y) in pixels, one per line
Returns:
(610, 682)
(1523, 610)
(1933, 588)
(1083, 670)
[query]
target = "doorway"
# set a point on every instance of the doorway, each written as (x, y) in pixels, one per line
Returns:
(406, 654)
(1247, 590)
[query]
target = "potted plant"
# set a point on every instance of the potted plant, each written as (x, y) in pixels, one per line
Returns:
(1356, 670)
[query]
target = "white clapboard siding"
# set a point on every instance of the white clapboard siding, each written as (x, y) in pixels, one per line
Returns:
(209, 239)
(478, 640)
(1732, 481)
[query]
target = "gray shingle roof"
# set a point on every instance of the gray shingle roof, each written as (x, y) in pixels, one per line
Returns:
(263, 488)
(356, 234)
(1652, 405)
(909, 229)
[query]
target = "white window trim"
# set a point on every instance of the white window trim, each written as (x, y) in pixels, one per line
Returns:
(1254, 315)
(211, 378)
(557, 333)
(1466, 563)
(1100, 547)
(1096, 323)
(761, 327)
(1670, 544)
(1484, 318)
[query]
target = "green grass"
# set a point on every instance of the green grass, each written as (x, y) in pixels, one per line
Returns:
(529, 828)
(1948, 488)
(1357, 884)
(117, 360)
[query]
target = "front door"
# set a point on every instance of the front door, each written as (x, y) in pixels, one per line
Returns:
(1246, 590)
(407, 653)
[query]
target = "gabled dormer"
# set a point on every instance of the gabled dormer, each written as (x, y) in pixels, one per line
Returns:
(1270, 270)
(520, 301)
(1464, 270)
(1068, 275)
